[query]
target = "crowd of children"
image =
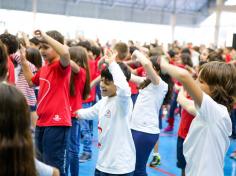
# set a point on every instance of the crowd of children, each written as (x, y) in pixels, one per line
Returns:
(125, 86)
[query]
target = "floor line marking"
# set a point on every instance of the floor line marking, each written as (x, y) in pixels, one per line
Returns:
(162, 171)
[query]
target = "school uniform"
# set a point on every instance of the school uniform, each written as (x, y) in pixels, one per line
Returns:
(51, 133)
(185, 122)
(74, 135)
(145, 122)
(11, 71)
(86, 126)
(208, 139)
(115, 144)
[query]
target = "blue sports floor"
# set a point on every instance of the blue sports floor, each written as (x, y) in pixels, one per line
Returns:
(167, 150)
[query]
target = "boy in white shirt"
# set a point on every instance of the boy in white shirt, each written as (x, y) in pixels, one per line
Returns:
(213, 94)
(115, 142)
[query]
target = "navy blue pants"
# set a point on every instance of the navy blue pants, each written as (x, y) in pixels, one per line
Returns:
(181, 162)
(73, 148)
(51, 143)
(144, 143)
(173, 105)
(233, 118)
(99, 173)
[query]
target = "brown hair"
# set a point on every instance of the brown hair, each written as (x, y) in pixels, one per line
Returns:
(3, 61)
(16, 146)
(80, 56)
(33, 56)
(56, 36)
(221, 79)
(122, 50)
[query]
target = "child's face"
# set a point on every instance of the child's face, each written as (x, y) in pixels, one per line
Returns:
(203, 85)
(107, 87)
(204, 55)
(47, 52)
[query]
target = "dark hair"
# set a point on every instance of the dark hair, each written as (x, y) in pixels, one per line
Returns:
(221, 79)
(122, 50)
(155, 60)
(79, 55)
(171, 53)
(96, 50)
(132, 49)
(107, 74)
(56, 36)
(16, 146)
(33, 55)
(214, 56)
(86, 44)
(186, 59)
(10, 41)
(186, 50)
(71, 43)
(3, 61)
(34, 40)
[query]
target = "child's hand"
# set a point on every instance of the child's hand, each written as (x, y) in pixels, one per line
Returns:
(76, 112)
(101, 62)
(23, 54)
(108, 52)
(137, 56)
(39, 35)
(111, 58)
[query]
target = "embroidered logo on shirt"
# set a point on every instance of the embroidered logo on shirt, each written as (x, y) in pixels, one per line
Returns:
(108, 114)
(57, 118)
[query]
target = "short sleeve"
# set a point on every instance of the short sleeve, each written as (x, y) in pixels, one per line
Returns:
(210, 110)
(43, 169)
(35, 78)
(64, 70)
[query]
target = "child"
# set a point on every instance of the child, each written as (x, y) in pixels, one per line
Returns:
(208, 137)
(86, 125)
(22, 85)
(16, 146)
(116, 147)
(51, 133)
(185, 60)
(12, 46)
(79, 89)
(145, 116)
(3, 62)
(187, 114)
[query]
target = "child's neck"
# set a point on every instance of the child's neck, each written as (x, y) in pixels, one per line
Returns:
(53, 60)
(112, 95)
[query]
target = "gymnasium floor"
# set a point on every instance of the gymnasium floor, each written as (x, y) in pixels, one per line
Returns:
(167, 150)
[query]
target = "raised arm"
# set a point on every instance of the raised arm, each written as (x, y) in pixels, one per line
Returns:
(147, 65)
(74, 67)
(25, 67)
(137, 79)
(119, 78)
(95, 81)
(61, 49)
(186, 103)
(26, 39)
(185, 78)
